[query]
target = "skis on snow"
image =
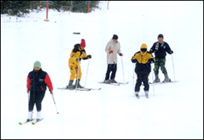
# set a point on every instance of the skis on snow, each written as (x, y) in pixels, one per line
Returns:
(33, 121)
(80, 89)
(36, 121)
(115, 84)
(157, 83)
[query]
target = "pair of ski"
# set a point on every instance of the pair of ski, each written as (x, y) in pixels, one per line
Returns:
(146, 95)
(81, 89)
(33, 121)
(89, 89)
(157, 83)
(115, 84)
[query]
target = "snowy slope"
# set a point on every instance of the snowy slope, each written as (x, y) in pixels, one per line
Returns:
(172, 111)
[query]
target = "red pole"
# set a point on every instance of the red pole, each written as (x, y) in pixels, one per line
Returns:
(88, 6)
(46, 11)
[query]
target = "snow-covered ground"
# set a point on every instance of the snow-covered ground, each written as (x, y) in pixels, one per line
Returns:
(173, 110)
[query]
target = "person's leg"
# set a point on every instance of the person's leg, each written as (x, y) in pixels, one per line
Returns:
(72, 76)
(39, 99)
(114, 70)
(156, 70)
(108, 72)
(164, 71)
(138, 82)
(31, 103)
(79, 73)
(146, 84)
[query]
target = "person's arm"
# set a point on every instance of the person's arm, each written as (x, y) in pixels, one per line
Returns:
(152, 59)
(28, 84)
(85, 56)
(152, 50)
(48, 82)
(108, 50)
(119, 50)
(134, 59)
(168, 49)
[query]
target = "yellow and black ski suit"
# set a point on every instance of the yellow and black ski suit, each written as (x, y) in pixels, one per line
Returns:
(143, 67)
(74, 65)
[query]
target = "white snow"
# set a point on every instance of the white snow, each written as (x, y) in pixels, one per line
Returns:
(173, 110)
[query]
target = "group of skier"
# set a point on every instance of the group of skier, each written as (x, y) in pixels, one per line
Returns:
(38, 80)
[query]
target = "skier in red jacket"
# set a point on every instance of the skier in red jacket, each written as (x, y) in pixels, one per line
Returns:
(37, 82)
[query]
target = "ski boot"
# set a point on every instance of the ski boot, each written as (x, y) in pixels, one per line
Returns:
(157, 80)
(30, 116)
(107, 81)
(166, 79)
(113, 81)
(38, 117)
(70, 85)
(77, 84)
(147, 94)
(137, 95)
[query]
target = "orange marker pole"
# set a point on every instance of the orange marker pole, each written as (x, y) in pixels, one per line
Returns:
(88, 6)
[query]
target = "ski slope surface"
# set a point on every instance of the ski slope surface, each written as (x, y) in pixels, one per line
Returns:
(173, 110)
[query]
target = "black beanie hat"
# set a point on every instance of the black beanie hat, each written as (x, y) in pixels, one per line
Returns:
(115, 37)
(160, 35)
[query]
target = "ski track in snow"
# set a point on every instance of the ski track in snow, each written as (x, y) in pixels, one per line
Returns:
(172, 110)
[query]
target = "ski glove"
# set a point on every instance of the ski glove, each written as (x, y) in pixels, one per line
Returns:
(171, 52)
(51, 92)
(134, 60)
(28, 90)
(121, 54)
(89, 56)
(78, 59)
(151, 60)
(111, 51)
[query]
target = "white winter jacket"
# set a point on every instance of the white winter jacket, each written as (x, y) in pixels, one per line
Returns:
(112, 57)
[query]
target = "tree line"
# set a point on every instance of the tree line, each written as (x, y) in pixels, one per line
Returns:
(20, 7)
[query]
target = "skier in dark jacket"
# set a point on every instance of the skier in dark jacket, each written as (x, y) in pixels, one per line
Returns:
(160, 48)
(37, 82)
(143, 59)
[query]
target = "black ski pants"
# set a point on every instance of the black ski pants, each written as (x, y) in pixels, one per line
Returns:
(142, 77)
(112, 68)
(35, 98)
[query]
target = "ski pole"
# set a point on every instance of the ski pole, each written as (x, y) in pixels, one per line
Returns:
(123, 69)
(28, 97)
(173, 67)
(133, 77)
(55, 103)
(77, 76)
(86, 73)
(152, 82)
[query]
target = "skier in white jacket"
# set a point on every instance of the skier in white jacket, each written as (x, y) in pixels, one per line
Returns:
(112, 49)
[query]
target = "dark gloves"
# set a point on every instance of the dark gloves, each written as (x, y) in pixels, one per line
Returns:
(134, 60)
(51, 92)
(78, 59)
(121, 54)
(89, 56)
(151, 60)
(171, 52)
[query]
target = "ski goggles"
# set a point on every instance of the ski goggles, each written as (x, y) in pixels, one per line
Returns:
(143, 50)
